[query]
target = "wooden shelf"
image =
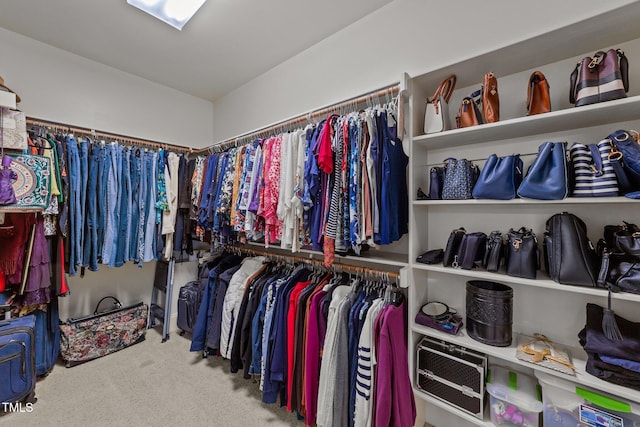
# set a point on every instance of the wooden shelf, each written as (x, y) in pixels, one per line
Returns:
(372, 256)
(9, 209)
(542, 282)
(447, 407)
(619, 110)
(520, 202)
(509, 354)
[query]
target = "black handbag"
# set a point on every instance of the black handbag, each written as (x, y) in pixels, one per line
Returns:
(434, 256)
(570, 258)
(453, 243)
(522, 257)
(619, 273)
(471, 251)
(494, 251)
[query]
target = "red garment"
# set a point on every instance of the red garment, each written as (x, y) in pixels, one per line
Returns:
(325, 151)
(13, 237)
(291, 334)
(3, 281)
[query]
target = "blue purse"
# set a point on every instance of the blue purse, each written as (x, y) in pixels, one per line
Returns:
(499, 179)
(547, 177)
(460, 176)
(625, 160)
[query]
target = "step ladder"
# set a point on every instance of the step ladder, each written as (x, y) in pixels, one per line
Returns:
(162, 284)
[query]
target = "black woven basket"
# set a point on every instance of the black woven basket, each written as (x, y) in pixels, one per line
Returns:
(489, 312)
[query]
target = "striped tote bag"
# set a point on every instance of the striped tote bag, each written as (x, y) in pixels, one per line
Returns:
(594, 175)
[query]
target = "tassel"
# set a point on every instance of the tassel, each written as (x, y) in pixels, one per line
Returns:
(609, 325)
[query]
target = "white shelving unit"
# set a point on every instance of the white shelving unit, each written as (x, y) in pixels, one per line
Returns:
(540, 305)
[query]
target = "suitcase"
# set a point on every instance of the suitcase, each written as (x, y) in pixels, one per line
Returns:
(189, 299)
(17, 360)
(47, 338)
(47, 335)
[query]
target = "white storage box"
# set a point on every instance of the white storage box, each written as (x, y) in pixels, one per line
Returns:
(515, 398)
(567, 404)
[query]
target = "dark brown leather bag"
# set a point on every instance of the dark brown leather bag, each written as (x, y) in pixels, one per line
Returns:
(490, 99)
(538, 94)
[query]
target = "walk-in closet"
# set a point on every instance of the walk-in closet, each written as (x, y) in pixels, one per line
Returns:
(340, 214)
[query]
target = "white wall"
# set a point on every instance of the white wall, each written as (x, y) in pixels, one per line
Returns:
(59, 86)
(412, 36)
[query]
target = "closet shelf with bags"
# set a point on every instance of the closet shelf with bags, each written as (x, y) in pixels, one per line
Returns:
(618, 110)
(518, 202)
(541, 305)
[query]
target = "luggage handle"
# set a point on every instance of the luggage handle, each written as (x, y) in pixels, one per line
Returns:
(118, 303)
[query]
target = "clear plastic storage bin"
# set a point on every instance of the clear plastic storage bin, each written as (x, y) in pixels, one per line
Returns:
(514, 398)
(569, 405)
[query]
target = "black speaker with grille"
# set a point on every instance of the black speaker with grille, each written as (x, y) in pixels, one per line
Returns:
(452, 374)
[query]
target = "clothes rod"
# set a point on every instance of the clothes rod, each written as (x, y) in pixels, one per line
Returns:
(372, 97)
(107, 135)
(338, 265)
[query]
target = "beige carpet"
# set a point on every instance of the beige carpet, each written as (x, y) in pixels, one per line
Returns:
(150, 384)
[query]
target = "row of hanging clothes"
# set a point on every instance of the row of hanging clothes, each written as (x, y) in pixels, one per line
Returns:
(31, 247)
(331, 346)
(118, 202)
(339, 186)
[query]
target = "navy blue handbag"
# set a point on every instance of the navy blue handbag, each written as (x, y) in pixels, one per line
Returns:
(547, 178)
(499, 179)
(460, 176)
(625, 160)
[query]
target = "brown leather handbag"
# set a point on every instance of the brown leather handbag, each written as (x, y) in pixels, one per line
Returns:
(538, 94)
(469, 113)
(490, 99)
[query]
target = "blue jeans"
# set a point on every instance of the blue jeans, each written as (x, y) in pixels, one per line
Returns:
(142, 207)
(111, 198)
(136, 167)
(123, 205)
(83, 154)
(151, 160)
(91, 229)
(101, 204)
(73, 169)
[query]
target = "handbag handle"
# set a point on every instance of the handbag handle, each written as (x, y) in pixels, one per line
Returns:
(624, 69)
(446, 88)
(118, 303)
(597, 164)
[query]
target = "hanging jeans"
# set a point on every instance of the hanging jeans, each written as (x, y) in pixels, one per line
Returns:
(151, 161)
(73, 169)
(142, 206)
(135, 205)
(112, 213)
(83, 155)
(91, 227)
(101, 204)
(123, 205)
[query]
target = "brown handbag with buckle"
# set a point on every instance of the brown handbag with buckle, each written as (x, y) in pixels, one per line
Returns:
(490, 98)
(538, 94)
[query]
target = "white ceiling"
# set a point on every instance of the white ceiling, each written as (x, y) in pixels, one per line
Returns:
(226, 44)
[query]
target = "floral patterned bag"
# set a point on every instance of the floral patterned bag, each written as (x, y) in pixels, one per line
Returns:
(99, 334)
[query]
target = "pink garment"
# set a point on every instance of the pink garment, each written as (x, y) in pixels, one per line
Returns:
(271, 193)
(394, 404)
(313, 348)
(325, 151)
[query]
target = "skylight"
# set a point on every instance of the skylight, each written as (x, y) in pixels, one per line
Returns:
(174, 12)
